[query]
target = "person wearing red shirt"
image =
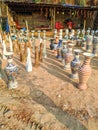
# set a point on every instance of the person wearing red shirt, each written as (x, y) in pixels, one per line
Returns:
(70, 25)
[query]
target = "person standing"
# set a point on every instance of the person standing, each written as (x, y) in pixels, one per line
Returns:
(70, 25)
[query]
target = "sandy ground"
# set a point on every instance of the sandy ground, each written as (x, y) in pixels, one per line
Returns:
(49, 89)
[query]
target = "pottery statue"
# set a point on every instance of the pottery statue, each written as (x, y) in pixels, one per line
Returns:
(95, 46)
(89, 41)
(11, 72)
(52, 44)
(59, 47)
(84, 71)
(68, 57)
(63, 50)
(75, 63)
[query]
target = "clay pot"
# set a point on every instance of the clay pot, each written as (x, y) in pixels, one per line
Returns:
(84, 71)
(75, 63)
(68, 57)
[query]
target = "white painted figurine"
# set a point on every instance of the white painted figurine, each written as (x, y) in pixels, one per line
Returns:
(28, 63)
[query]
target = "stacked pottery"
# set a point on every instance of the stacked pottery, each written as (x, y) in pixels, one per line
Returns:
(75, 63)
(68, 57)
(84, 71)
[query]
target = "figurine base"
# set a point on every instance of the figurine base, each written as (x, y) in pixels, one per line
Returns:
(82, 86)
(67, 67)
(74, 76)
(12, 84)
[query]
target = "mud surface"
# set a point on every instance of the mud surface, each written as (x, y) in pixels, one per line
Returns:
(48, 99)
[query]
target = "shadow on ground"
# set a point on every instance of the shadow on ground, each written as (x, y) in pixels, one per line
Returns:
(67, 120)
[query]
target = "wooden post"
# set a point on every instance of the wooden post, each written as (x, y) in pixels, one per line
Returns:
(44, 49)
(8, 17)
(36, 57)
(40, 54)
(54, 18)
(27, 25)
(14, 46)
(84, 24)
(20, 52)
(0, 69)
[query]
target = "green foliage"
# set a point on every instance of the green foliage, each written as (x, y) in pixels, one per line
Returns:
(82, 2)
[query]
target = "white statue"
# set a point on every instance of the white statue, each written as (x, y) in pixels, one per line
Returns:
(28, 62)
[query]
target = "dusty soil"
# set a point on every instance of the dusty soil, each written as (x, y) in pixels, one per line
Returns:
(48, 99)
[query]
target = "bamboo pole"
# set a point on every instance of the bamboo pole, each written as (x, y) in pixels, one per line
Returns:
(27, 25)
(40, 53)
(8, 17)
(54, 18)
(36, 57)
(84, 24)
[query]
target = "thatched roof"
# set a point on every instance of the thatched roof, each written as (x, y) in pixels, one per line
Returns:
(29, 6)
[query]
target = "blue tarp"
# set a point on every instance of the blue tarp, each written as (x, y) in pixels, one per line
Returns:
(7, 26)
(70, 5)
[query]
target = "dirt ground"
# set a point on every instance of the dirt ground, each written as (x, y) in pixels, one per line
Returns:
(48, 99)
